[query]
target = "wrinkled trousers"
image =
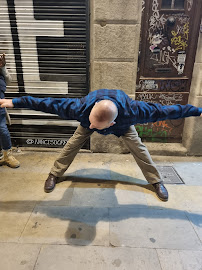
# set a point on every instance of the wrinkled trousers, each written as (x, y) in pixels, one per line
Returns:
(132, 141)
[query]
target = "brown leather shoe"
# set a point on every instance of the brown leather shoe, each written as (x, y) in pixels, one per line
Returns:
(161, 191)
(50, 183)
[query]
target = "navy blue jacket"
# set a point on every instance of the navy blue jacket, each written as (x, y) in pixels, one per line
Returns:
(130, 112)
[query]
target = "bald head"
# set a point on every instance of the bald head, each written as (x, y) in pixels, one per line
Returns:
(103, 114)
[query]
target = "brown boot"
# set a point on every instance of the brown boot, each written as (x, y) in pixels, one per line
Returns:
(50, 183)
(9, 160)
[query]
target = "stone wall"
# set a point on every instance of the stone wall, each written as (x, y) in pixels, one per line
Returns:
(114, 45)
(192, 135)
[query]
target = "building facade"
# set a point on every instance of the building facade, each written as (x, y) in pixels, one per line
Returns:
(152, 50)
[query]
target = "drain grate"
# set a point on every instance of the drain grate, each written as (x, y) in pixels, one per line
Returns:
(169, 175)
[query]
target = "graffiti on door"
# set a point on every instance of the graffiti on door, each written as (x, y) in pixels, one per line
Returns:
(166, 58)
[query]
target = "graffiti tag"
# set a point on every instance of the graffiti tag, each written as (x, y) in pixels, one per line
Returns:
(53, 142)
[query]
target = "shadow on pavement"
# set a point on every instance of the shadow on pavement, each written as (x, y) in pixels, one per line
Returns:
(82, 220)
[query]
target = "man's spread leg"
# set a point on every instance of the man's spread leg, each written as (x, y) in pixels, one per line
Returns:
(66, 157)
(145, 162)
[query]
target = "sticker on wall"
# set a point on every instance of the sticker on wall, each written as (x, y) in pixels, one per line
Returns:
(155, 41)
(189, 4)
(147, 85)
(181, 61)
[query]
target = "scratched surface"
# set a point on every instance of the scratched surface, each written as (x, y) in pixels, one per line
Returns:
(159, 85)
(162, 131)
(165, 62)
(163, 98)
(167, 42)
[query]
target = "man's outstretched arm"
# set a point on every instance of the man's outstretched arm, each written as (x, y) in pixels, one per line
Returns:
(66, 108)
(152, 112)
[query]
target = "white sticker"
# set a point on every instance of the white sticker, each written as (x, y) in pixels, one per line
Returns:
(181, 58)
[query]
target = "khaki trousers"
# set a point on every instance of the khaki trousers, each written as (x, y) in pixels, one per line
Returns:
(132, 141)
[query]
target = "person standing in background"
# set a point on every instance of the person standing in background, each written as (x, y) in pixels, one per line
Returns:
(6, 157)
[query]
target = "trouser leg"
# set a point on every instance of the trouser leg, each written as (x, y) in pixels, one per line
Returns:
(5, 139)
(70, 150)
(141, 155)
(6, 156)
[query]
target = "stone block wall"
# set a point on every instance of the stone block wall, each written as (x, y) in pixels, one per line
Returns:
(192, 135)
(114, 45)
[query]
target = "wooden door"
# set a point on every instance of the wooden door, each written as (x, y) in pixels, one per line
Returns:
(169, 35)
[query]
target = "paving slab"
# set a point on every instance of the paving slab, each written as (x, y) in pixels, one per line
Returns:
(13, 175)
(152, 228)
(21, 191)
(29, 162)
(103, 214)
(127, 171)
(170, 259)
(48, 159)
(107, 195)
(94, 197)
(18, 256)
(61, 196)
(67, 225)
(191, 260)
(182, 197)
(87, 171)
(196, 219)
(180, 259)
(190, 172)
(13, 221)
(130, 195)
(90, 258)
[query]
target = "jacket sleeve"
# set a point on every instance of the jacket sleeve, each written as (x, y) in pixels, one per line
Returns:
(66, 108)
(152, 112)
(6, 74)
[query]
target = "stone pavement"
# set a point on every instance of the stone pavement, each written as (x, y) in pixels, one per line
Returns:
(102, 215)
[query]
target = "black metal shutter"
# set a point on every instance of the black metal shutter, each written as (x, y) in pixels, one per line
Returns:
(48, 56)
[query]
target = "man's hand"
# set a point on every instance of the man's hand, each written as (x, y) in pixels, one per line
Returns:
(2, 60)
(6, 103)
